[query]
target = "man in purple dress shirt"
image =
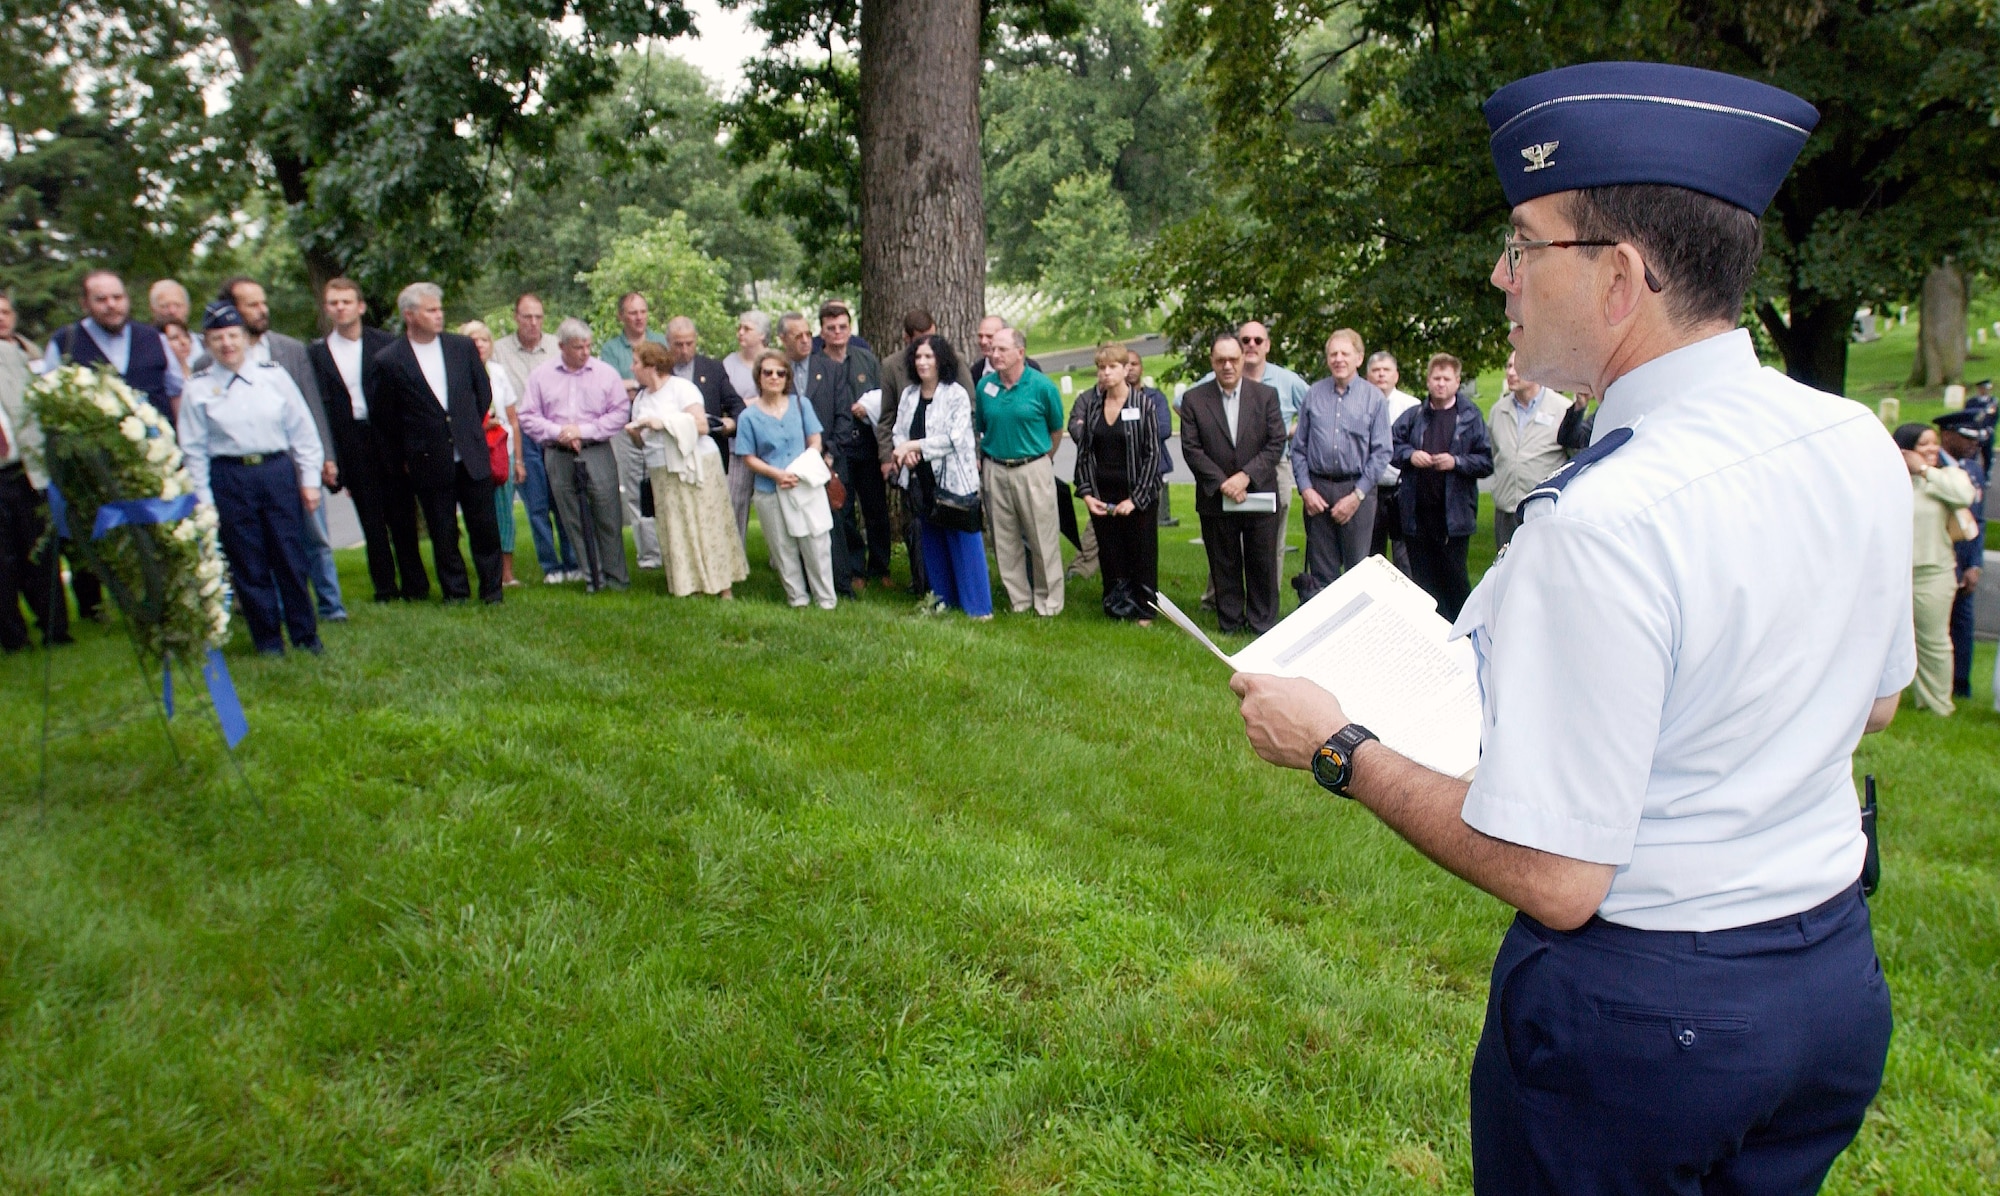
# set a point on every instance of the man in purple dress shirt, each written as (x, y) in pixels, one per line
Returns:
(574, 406)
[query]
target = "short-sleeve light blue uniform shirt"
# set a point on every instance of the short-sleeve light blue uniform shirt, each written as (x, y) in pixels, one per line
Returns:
(1678, 654)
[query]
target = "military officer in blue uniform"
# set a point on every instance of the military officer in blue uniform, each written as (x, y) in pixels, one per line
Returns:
(255, 456)
(1701, 616)
(1967, 436)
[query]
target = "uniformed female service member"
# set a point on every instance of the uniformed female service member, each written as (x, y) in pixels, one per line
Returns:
(1701, 616)
(250, 443)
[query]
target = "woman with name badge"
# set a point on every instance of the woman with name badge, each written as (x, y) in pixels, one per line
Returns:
(1118, 479)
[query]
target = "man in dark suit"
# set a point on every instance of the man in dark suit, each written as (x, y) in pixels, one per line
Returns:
(432, 390)
(856, 455)
(344, 363)
(1231, 437)
(833, 385)
(718, 398)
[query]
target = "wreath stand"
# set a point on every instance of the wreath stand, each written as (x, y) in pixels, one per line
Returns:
(143, 607)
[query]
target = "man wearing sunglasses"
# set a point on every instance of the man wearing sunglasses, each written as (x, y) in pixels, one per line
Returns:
(1255, 338)
(1696, 622)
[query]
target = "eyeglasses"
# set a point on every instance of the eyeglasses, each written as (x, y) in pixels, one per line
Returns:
(1512, 248)
(779, 372)
(1253, 340)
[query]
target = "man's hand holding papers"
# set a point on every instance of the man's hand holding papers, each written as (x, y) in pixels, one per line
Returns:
(1287, 718)
(1371, 648)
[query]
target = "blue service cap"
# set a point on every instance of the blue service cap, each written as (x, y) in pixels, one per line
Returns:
(220, 314)
(1976, 426)
(1601, 124)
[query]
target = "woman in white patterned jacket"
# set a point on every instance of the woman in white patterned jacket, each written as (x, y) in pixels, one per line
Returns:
(936, 447)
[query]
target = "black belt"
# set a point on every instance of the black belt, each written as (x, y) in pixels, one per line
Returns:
(1338, 477)
(246, 459)
(1013, 462)
(560, 447)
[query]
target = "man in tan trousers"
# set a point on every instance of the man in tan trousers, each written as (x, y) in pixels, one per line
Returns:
(1019, 417)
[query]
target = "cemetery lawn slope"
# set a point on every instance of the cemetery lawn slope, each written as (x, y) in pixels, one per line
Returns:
(628, 893)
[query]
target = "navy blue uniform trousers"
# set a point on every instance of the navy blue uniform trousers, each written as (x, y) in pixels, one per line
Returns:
(261, 518)
(1964, 622)
(1617, 1060)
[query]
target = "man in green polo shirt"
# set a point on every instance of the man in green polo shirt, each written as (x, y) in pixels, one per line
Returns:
(616, 352)
(1019, 418)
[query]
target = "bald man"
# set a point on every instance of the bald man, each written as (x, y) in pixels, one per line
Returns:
(168, 300)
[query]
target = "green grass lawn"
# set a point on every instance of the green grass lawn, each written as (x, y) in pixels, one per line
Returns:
(627, 893)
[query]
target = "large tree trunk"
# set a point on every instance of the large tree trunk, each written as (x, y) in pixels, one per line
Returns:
(923, 207)
(1814, 338)
(1941, 327)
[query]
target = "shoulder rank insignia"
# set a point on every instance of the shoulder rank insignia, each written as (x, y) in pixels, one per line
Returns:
(1553, 487)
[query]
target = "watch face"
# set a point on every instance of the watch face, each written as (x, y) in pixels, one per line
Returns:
(1329, 767)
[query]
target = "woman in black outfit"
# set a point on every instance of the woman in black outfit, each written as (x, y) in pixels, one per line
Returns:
(1118, 477)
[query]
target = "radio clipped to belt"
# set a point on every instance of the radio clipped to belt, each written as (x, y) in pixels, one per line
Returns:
(1871, 864)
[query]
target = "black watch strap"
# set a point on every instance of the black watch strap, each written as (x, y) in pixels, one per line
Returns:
(1333, 763)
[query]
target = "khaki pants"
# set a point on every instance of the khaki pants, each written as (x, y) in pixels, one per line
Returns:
(1931, 595)
(1027, 539)
(804, 563)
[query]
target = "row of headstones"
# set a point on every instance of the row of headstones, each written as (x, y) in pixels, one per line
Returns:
(1864, 327)
(1891, 408)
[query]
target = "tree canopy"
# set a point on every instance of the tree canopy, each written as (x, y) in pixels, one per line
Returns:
(1355, 186)
(104, 159)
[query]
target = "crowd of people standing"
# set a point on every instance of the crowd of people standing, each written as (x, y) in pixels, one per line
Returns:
(839, 452)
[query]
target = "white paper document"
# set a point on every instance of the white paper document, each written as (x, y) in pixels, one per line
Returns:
(1252, 504)
(1374, 640)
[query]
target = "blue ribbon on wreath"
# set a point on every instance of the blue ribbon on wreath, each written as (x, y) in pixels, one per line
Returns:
(215, 670)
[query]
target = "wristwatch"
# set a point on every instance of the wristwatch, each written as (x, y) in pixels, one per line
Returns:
(1333, 763)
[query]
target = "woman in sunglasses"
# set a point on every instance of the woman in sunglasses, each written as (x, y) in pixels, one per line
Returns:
(778, 438)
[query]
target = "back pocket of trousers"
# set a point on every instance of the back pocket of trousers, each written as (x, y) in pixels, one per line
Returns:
(1685, 1027)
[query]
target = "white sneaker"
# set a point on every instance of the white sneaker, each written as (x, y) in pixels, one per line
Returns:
(554, 578)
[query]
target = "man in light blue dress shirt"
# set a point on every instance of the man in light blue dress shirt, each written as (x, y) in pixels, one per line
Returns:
(1340, 446)
(1677, 656)
(256, 458)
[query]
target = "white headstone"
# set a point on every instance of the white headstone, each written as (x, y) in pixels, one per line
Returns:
(1954, 397)
(1891, 410)
(1068, 386)
(1147, 380)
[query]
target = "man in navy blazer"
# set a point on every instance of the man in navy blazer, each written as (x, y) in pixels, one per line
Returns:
(344, 362)
(431, 395)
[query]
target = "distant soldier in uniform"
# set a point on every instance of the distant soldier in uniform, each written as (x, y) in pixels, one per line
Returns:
(256, 458)
(1697, 621)
(1966, 436)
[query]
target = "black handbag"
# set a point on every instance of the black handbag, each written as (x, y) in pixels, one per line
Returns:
(957, 512)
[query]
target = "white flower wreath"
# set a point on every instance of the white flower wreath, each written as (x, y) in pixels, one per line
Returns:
(91, 416)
